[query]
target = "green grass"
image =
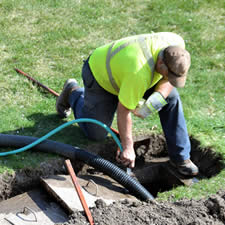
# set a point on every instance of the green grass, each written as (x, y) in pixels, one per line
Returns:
(49, 40)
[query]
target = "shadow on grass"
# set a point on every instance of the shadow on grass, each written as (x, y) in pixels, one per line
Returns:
(43, 124)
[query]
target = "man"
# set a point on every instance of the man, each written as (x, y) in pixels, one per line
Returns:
(117, 76)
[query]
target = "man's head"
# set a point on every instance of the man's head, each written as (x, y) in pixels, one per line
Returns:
(178, 61)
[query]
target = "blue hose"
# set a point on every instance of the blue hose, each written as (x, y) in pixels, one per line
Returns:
(60, 128)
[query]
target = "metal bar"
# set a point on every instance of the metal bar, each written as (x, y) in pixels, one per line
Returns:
(79, 192)
(115, 131)
(49, 90)
(37, 82)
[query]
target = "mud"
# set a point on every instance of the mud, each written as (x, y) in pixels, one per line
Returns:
(192, 212)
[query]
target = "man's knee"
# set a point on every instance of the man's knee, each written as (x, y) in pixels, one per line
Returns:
(94, 134)
(97, 136)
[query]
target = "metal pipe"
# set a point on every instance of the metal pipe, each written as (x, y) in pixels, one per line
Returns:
(37, 82)
(79, 192)
(50, 90)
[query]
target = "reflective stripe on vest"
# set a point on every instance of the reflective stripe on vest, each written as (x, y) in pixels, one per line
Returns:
(147, 54)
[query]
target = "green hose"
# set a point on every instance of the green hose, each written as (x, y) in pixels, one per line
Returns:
(60, 128)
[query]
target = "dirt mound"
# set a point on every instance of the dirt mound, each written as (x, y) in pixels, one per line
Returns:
(191, 212)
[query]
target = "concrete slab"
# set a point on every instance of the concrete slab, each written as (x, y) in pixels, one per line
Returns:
(93, 187)
(29, 208)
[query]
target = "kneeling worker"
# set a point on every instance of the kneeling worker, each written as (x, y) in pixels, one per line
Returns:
(117, 76)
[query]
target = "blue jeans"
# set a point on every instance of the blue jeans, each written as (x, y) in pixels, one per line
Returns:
(96, 103)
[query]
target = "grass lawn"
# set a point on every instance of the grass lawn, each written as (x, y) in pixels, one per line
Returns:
(50, 39)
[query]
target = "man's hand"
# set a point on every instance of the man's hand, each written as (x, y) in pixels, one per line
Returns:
(124, 122)
(127, 157)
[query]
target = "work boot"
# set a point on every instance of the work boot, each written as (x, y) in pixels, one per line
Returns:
(62, 102)
(186, 167)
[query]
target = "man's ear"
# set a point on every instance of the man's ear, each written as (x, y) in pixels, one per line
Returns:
(161, 67)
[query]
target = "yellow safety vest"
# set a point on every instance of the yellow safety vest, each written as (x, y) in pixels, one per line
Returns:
(126, 67)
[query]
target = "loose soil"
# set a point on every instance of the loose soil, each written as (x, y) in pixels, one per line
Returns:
(191, 212)
(184, 212)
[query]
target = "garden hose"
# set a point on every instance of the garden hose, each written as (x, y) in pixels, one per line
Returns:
(60, 128)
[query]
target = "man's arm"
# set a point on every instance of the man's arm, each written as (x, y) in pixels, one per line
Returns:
(124, 123)
(155, 101)
(164, 87)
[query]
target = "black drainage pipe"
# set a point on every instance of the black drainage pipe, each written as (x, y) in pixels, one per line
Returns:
(72, 153)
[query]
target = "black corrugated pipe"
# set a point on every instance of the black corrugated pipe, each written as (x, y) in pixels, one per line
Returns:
(72, 153)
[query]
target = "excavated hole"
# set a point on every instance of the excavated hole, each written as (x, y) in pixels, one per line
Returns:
(155, 173)
(151, 167)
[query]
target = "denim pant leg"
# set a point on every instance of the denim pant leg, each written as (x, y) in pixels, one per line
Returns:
(95, 103)
(174, 127)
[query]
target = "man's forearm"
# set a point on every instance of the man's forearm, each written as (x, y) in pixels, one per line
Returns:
(164, 88)
(124, 123)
